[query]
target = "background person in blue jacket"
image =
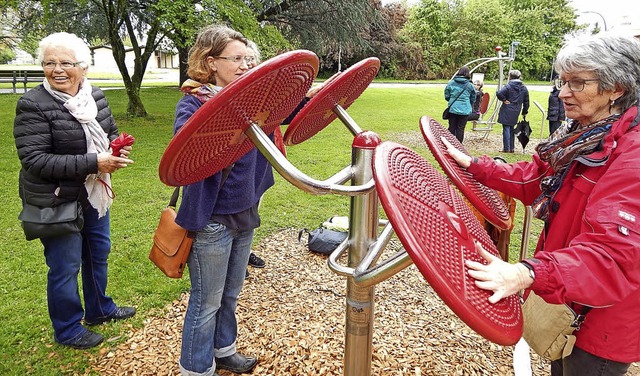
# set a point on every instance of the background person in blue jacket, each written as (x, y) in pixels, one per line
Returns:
(515, 98)
(461, 95)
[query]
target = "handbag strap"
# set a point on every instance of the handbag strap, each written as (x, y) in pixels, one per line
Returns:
(174, 197)
(176, 192)
(459, 94)
(579, 317)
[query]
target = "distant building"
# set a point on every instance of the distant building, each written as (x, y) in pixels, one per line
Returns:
(22, 58)
(103, 60)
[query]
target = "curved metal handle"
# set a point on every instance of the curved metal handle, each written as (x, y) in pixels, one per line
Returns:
(297, 177)
(364, 275)
(333, 260)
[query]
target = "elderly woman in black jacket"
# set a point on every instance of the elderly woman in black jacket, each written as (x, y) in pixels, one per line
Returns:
(515, 98)
(63, 129)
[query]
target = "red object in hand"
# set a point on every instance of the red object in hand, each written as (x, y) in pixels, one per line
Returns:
(123, 139)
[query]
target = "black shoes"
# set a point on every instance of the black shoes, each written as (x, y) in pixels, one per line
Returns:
(86, 341)
(121, 313)
(256, 261)
(236, 363)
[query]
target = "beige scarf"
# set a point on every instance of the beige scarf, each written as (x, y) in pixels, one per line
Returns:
(83, 107)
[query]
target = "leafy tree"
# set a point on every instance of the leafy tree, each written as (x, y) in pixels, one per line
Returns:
(540, 28)
(182, 19)
(334, 29)
(454, 32)
(6, 55)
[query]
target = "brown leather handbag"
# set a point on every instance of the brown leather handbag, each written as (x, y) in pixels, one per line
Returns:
(171, 243)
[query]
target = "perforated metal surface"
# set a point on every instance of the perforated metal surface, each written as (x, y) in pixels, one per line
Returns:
(213, 137)
(484, 104)
(342, 91)
(438, 231)
(486, 200)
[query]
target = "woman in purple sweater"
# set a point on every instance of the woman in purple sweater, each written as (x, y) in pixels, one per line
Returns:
(223, 212)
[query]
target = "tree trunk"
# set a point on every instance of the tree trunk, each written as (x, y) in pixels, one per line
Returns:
(183, 55)
(135, 108)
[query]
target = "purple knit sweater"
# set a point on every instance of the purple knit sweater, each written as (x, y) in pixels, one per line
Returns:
(250, 177)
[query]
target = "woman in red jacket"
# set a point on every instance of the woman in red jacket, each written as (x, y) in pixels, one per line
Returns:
(584, 183)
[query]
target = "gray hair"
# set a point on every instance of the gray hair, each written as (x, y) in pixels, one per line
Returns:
(251, 44)
(69, 41)
(514, 74)
(615, 59)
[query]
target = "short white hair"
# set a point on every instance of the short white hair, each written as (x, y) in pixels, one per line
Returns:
(69, 41)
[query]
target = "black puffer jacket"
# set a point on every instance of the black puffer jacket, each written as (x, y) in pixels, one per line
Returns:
(52, 148)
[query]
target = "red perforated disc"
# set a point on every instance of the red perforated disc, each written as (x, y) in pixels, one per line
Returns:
(486, 200)
(438, 231)
(341, 91)
(213, 137)
(484, 104)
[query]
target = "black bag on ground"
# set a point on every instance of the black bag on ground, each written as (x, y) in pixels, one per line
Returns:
(323, 240)
(42, 222)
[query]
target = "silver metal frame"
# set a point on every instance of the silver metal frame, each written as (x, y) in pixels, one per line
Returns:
(363, 247)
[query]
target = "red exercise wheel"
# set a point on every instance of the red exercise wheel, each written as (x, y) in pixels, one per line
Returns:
(438, 231)
(213, 137)
(341, 91)
(486, 200)
(484, 103)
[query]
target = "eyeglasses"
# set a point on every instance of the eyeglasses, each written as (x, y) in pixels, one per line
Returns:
(574, 85)
(63, 65)
(238, 59)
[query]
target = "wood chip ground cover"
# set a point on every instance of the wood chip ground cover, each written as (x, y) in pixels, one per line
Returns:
(292, 316)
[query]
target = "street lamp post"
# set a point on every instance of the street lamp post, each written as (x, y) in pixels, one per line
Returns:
(604, 21)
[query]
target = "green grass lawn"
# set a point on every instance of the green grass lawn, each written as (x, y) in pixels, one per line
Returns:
(26, 339)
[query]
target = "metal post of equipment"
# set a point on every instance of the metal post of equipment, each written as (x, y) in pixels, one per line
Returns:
(544, 117)
(363, 225)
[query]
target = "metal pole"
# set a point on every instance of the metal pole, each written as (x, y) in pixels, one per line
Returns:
(604, 22)
(526, 231)
(500, 67)
(544, 117)
(363, 225)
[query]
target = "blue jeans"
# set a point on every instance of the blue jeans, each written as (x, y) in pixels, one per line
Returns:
(508, 138)
(66, 255)
(582, 363)
(217, 266)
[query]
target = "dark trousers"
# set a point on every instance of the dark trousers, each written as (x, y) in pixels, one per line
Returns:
(553, 126)
(581, 363)
(457, 124)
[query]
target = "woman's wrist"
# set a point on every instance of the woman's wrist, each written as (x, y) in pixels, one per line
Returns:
(526, 276)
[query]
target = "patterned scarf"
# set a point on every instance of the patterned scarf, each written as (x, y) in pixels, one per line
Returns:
(203, 92)
(83, 107)
(570, 142)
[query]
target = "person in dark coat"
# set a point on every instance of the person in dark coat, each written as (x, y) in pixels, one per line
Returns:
(475, 112)
(62, 132)
(460, 96)
(515, 98)
(555, 112)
